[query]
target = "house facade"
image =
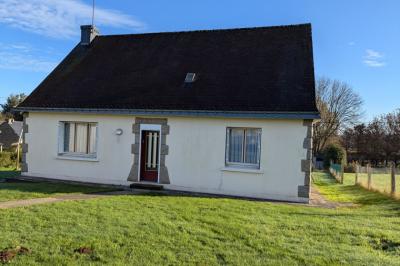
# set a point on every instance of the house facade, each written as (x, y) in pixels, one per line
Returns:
(225, 112)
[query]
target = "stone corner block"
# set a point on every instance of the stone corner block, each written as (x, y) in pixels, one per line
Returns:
(306, 166)
(24, 147)
(24, 167)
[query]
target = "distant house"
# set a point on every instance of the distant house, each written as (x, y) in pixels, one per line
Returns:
(10, 134)
(216, 111)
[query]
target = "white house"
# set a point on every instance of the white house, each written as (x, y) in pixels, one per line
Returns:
(220, 111)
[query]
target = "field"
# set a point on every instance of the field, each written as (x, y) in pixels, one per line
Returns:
(180, 230)
(380, 182)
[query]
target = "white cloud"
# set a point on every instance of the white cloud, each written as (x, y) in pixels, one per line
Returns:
(373, 58)
(60, 18)
(22, 57)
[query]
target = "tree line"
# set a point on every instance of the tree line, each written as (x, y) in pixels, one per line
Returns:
(11, 102)
(377, 142)
(340, 135)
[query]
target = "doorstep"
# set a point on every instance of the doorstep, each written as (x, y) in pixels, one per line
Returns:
(147, 185)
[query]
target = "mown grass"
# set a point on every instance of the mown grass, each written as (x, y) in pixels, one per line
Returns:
(181, 230)
(29, 190)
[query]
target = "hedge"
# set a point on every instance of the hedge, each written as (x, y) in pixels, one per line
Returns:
(8, 159)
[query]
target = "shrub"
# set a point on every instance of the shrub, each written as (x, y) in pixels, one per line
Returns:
(334, 153)
(8, 159)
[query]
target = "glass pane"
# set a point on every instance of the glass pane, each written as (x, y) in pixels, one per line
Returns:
(252, 146)
(93, 135)
(69, 135)
(236, 137)
(81, 138)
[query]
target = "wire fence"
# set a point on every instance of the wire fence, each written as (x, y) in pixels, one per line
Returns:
(381, 179)
(337, 171)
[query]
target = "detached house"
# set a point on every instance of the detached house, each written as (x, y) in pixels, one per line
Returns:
(216, 111)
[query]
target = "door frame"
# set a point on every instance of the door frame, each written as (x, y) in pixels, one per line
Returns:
(150, 127)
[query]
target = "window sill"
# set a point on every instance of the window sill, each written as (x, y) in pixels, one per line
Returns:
(242, 170)
(77, 158)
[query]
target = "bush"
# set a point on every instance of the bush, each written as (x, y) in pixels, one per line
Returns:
(334, 153)
(8, 159)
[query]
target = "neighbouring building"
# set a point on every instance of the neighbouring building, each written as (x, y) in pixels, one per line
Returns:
(10, 134)
(214, 111)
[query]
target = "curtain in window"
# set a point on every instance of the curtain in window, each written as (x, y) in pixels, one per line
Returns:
(81, 138)
(236, 137)
(252, 146)
(93, 134)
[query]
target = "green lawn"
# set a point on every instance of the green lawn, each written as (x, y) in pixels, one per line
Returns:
(173, 230)
(15, 191)
(380, 182)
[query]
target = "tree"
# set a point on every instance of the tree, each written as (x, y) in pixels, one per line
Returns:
(12, 101)
(339, 106)
(377, 142)
(334, 153)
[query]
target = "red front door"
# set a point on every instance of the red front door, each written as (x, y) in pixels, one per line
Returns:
(149, 156)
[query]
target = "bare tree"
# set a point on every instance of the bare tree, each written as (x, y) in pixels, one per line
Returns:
(339, 106)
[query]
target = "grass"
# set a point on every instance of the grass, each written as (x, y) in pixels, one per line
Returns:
(8, 172)
(380, 182)
(17, 191)
(181, 230)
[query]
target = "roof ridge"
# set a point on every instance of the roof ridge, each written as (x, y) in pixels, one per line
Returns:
(289, 26)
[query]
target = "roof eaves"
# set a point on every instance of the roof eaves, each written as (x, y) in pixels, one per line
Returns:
(179, 113)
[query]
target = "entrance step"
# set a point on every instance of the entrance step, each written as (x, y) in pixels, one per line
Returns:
(149, 186)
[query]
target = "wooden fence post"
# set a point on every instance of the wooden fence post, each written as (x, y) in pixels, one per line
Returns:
(369, 175)
(393, 179)
(356, 168)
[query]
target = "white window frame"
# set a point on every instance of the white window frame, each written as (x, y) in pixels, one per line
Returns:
(243, 165)
(61, 153)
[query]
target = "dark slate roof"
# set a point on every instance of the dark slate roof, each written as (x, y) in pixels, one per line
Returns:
(266, 69)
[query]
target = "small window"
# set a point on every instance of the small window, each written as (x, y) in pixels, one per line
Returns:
(78, 138)
(243, 147)
(190, 77)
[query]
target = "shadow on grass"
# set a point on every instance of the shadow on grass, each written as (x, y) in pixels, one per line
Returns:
(334, 191)
(9, 173)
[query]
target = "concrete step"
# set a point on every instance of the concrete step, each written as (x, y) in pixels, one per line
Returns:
(146, 185)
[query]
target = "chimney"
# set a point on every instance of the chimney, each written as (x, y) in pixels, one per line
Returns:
(88, 33)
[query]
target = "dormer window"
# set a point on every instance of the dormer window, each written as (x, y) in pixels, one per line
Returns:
(190, 77)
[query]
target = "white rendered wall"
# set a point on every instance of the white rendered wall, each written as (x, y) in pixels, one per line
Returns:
(196, 159)
(113, 152)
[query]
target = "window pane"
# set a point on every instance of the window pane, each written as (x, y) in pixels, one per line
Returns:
(236, 137)
(93, 135)
(252, 146)
(81, 138)
(69, 137)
